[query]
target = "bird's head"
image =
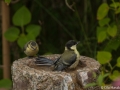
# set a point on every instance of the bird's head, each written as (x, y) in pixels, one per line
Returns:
(33, 45)
(71, 45)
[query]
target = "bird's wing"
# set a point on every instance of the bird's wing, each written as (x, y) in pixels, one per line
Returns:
(60, 67)
(68, 58)
(55, 61)
(43, 61)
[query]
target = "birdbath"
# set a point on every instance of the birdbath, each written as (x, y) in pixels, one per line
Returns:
(28, 76)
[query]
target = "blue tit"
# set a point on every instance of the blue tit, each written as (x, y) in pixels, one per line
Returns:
(31, 48)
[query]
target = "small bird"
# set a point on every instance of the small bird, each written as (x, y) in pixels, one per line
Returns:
(69, 59)
(31, 48)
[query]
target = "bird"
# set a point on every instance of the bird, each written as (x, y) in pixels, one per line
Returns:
(69, 58)
(31, 48)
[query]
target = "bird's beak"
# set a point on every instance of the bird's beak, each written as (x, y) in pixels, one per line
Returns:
(78, 42)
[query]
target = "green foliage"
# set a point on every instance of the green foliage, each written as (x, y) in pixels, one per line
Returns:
(112, 45)
(22, 40)
(104, 21)
(33, 29)
(118, 62)
(99, 81)
(7, 1)
(108, 36)
(104, 57)
(5, 83)
(115, 5)
(102, 11)
(12, 34)
(114, 75)
(22, 17)
(101, 34)
(112, 31)
(90, 85)
(117, 11)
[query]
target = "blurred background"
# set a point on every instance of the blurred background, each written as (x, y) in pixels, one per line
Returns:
(95, 23)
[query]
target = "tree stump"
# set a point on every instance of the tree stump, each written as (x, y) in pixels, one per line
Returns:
(28, 76)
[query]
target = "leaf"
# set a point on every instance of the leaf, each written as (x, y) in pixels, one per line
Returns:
(103, 57)
(30, 37)
(90, 85)
(105, 75)
(112, 31)
(115, 5)
(21, 17)
(112, 45)
(33, 29)
(94, 75)
(100, 80)
(117, 11)
(22, 40)
(102, 11)
(5, 83)
(101, 34)
(12, 34)
(104, 21)
(118, 62)
(115, 75)
(7, 1)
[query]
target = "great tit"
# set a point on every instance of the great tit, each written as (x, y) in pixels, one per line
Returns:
(69, 59)
(31, 48)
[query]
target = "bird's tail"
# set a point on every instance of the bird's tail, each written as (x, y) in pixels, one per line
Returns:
(43, 61)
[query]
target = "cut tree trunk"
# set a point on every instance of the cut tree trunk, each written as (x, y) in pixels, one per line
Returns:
(28, 76)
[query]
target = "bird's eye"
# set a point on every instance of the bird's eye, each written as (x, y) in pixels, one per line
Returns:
(74, 42)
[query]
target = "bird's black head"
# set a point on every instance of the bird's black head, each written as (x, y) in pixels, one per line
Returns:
(71, 43)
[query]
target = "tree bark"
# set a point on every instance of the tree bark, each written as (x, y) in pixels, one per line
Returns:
(5, 44)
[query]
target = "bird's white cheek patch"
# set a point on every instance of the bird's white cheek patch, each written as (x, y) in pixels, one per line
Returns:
(73, 47)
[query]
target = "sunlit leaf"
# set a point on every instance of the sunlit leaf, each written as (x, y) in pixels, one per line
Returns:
(90, 85)
(103, 57)
(115, 75)
(104, 21)
(117, 11)
(21, 17)
(100, 80)
(5, 83)
(118, 62)
(12, 34)
(33, 29)
(101, 34)
(102, 11)
(115, 5)
(112, 31)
